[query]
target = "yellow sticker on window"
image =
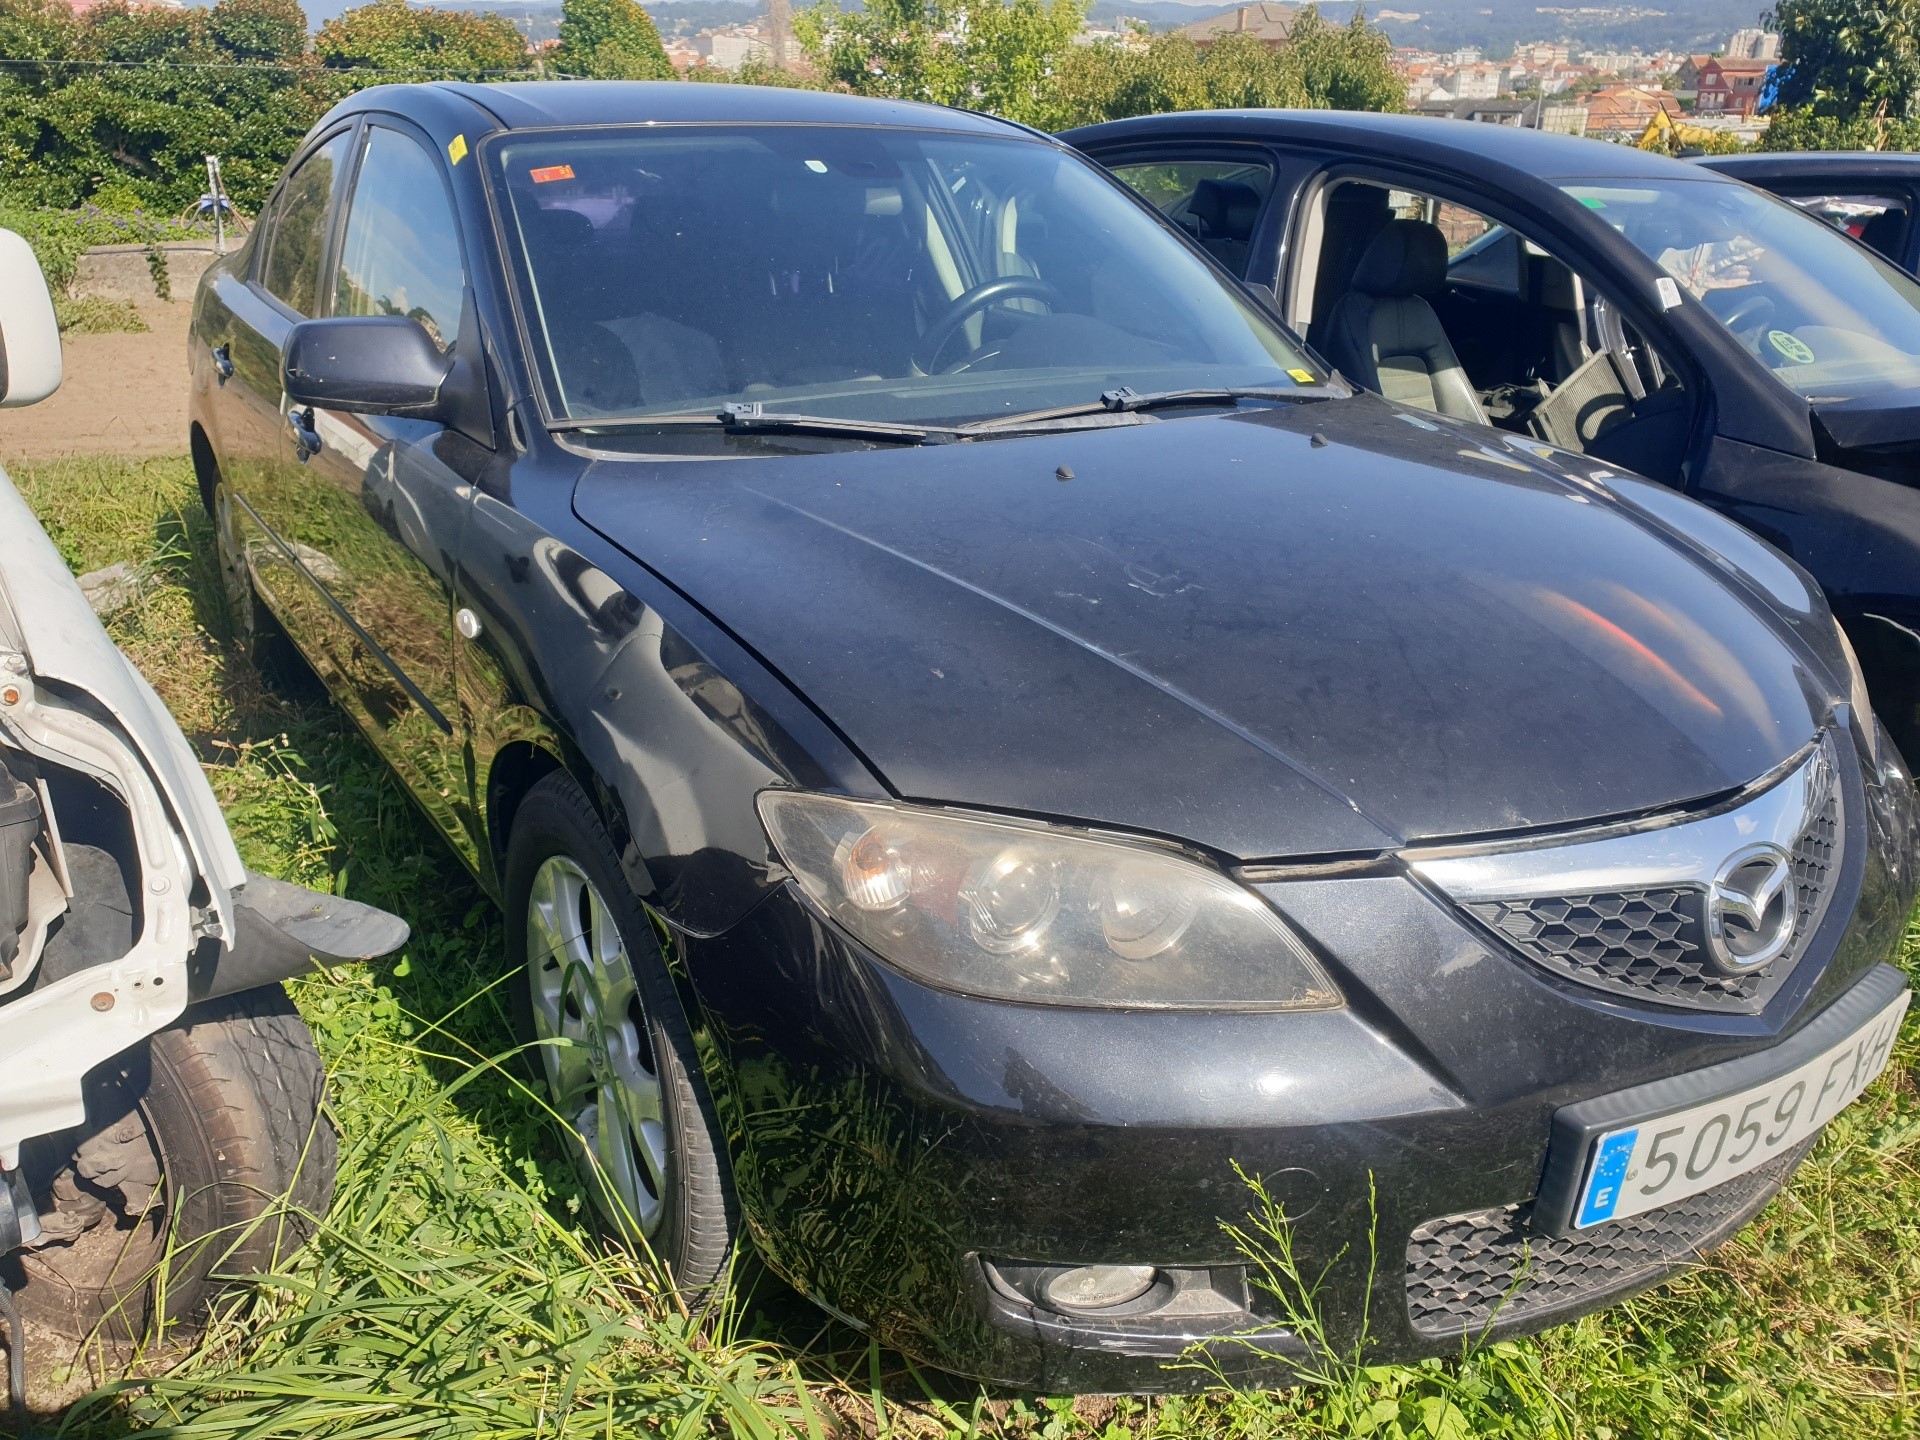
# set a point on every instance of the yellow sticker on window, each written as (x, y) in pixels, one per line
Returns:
(1302, 377)
(457, 149)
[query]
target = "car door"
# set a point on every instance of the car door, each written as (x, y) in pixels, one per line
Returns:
(374, 505)
(281, 287)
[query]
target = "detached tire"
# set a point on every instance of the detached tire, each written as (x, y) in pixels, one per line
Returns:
(222, 1109)
(629, 1082)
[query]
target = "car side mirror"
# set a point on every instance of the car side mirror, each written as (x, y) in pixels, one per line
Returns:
(370, 364)
(29, 334)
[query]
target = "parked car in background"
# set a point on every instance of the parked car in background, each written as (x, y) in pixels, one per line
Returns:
(977, 736)
(159, 1095)
(1643, 312)
(1869, 194)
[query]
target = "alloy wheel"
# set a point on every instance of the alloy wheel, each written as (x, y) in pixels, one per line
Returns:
(604, 1080)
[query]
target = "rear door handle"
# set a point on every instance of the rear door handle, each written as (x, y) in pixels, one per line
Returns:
(222, 363)
(306, 439)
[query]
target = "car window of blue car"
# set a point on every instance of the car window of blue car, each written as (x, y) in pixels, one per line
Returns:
(297, 229)
(400, 254)
(1827, 317)
(839, 271)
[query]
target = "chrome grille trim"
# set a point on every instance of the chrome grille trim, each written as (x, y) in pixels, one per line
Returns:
(1627, 912)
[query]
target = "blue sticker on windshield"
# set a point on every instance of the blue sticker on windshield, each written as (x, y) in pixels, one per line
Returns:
(1609, 1174)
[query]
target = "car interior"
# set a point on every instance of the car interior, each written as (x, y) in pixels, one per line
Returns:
(1878, 221)
(1439, 307)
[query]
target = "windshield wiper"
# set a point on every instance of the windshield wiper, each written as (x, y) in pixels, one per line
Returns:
(1126, 401)
(750, 418)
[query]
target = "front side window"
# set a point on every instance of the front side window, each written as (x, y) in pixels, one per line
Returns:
(1829, 319)
(897, 276)
(297, 241)
(401, 251)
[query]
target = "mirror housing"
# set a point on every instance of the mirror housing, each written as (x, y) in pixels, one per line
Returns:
(369, 364)
(29, 334)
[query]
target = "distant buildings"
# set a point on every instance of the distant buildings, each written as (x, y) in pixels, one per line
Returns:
(1730, 87)
(1270, 24)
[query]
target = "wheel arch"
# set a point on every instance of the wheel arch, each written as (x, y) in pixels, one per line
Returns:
(521, 762)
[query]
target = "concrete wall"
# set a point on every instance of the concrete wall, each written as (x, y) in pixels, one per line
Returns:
(120, 272)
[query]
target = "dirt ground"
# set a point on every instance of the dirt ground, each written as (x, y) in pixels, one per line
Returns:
(122, 395)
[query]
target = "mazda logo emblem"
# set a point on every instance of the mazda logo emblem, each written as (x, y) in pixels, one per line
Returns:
(1751, 909)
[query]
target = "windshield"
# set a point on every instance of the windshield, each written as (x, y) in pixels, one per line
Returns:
(899, 277)
(1828, 318)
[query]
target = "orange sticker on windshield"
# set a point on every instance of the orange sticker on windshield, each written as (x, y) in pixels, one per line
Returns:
(542, 174)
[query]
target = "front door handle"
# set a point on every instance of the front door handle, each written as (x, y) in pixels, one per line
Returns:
(306, 439)
(222, 364)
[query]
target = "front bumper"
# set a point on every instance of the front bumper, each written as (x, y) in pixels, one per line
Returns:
(918, 1162)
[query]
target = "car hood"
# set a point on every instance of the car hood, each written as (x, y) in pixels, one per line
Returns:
(1308, 630)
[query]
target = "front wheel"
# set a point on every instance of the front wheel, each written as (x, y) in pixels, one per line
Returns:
(612, 1041)
(175, 1183)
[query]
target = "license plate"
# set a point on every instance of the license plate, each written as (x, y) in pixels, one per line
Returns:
(1642, 1167)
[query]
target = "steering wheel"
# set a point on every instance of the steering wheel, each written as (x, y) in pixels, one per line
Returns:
(964, 306)
(1754, 309)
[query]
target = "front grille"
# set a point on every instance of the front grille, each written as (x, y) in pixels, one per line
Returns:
(1487, 1272)
(1651, 944)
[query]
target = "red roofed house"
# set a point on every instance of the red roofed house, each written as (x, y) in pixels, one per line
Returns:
(1730, 87)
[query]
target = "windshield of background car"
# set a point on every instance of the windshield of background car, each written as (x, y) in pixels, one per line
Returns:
(1828, 318)
(899, 276)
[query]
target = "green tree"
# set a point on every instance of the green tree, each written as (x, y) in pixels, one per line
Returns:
(130, 101)
(393, 35)
(1322, 66)
(1342, 67)
(995, 55)
(610, 40)
(1844, 58)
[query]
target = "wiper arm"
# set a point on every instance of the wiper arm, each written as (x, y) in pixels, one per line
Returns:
(1126, 400)
(749, 418)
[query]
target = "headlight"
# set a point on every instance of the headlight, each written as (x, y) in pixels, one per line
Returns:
(1026, 912)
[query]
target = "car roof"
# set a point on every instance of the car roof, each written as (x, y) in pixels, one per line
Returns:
(535, 104)
(1537, 152)
(1816, 164)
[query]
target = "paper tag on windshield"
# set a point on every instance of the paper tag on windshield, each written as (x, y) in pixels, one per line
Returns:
(1668, 292)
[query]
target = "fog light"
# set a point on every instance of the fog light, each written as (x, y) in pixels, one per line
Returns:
(1097, 1287)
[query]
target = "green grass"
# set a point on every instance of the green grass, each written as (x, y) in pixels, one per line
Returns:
(455, 1289)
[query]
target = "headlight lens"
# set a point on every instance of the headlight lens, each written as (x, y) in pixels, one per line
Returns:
(1026, 912)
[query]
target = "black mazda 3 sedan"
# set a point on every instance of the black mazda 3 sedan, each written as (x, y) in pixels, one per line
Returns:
(987, 749)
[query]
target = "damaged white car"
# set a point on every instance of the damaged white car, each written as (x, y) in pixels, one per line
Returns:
(159, 1094)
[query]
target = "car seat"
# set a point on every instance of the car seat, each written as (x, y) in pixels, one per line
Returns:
(1224, 212)
(1384, 335)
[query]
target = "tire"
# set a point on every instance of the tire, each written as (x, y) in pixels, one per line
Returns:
(223, 1109)
(256, 633)
(667, 1186)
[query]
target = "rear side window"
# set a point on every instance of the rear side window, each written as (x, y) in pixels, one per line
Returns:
(298, 238)
(1876, 221)
(1217, 202)
(401, 251)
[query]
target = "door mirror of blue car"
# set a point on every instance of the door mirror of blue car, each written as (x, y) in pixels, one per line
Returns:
(371, 364)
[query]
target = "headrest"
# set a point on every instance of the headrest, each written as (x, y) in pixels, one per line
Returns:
(1409, 257)
(1226, 209)
(1883, 231)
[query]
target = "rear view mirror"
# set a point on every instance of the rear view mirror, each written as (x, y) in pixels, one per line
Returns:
(374, 364)
(29, 335)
